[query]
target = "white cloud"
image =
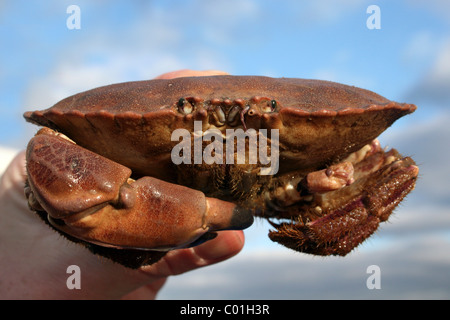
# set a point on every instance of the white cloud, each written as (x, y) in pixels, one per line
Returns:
(329, 11)
(413, 269)
(441, 8)
(434, 87)
(422, 45)
(441, 69)
(6, 155)
(426, 140)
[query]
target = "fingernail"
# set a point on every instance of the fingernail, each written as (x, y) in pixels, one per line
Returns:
(227, 244)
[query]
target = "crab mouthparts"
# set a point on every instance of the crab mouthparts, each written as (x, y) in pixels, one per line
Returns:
(242, 116)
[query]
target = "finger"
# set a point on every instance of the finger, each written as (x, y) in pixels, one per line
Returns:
(12, 183)
(146, 292)
(224, 246)
(190, 73)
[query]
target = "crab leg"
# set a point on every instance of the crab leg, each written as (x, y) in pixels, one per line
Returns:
(94, 199)
(384, 180)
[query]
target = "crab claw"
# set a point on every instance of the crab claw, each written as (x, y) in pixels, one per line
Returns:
(351, 214)
(93, 199)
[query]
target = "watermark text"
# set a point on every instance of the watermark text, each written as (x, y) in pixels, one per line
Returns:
(214, 152)
(73, 22)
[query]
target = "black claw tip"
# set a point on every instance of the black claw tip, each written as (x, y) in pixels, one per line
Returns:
(241, 219)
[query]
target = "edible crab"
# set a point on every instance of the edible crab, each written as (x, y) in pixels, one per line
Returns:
(102, 170)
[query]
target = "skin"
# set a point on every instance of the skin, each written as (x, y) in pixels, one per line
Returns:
(34, 258)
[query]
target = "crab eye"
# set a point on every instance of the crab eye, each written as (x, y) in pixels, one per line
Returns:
(184, 107)
(181, 102)
(269, 106)
(273, 105)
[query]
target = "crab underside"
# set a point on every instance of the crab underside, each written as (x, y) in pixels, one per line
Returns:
(129, 189)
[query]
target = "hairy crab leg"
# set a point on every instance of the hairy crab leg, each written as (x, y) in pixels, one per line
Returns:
(384, 180)
(94, 199)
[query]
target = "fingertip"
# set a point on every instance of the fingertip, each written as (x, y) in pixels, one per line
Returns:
(190, 73)
(224, 246)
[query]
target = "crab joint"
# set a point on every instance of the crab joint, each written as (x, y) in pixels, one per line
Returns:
(332, 178)
(155, 219)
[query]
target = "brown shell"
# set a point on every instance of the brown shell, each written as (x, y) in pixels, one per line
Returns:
(132, 122)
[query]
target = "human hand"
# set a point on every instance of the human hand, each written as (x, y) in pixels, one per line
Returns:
(34, 258)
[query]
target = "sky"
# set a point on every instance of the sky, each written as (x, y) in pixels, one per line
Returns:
(407, 60)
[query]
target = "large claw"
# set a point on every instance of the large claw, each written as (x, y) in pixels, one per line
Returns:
(94, 199)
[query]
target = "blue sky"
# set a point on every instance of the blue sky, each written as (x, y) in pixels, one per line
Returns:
(408, 59)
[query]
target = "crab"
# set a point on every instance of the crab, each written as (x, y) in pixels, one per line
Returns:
(101, 171)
